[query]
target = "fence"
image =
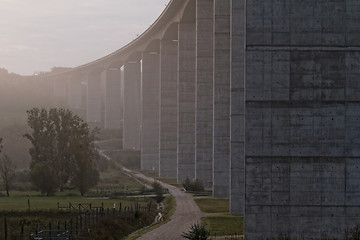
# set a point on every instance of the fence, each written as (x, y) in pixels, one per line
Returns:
(78, 227)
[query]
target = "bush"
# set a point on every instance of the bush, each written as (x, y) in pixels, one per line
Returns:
(194, 186)
(197, 231)
(353, 233)
(158, 189)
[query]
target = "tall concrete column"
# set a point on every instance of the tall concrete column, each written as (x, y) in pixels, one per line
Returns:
(204, 91)
(168, 108)
(150, 111)
(221, 98)
(186, 108)
(74, 92)
(237, 161)
(113, 102)
(93, 108)
(132, 107)
(60, 92)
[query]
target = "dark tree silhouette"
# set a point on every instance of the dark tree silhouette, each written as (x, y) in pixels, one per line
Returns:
(7, 170)
(63, 146)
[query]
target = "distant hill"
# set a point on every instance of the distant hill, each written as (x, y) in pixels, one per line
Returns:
(18, 94)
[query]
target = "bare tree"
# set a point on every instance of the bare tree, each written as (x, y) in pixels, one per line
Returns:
(7, 172)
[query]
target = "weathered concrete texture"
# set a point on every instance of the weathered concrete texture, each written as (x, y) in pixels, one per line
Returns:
(132, 105)
(204, 92)
(93, 107)
(168, 108)
(302, 119)
(237, 162)
(150, 111)
(222, 57)
(60, 92)
(186, 95)
(113, 115)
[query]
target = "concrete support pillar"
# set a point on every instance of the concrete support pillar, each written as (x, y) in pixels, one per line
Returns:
(221, 98)
(74, 92)
(204, 91)
(168, 108)
(150, 111)
(60, 93)
(93, 108)
(132, 107)
(237, 160)
(113, 115)
(186, 108)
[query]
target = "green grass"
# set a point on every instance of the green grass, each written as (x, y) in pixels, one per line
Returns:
(127, 158)
(170, 207)
(212, 205)
(116, 179)
(224, 224)
(170, 181)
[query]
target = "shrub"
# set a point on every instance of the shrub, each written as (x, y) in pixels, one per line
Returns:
(353, 233)
(158, 189)
(194, 186)
(197, 231)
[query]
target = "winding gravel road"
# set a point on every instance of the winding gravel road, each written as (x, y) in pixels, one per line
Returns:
(186, 214)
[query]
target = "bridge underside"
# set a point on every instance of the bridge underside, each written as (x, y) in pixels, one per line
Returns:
(265, 113)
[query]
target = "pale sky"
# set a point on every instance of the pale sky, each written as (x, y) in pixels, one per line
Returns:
(36, 35)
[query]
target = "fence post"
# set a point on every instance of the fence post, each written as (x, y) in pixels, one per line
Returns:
(37, 230)
(5, 226)
(76, 226)
(22, 227)
(50, 230)
(71, 227)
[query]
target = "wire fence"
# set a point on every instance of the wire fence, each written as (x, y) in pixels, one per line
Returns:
(74, 228)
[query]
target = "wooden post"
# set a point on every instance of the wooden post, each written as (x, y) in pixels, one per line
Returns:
(76, 226)
(29, 204)
(50, 230)
(5, 230)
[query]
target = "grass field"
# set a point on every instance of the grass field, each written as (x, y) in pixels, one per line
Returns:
(224, 224)
(212, 205)
(127, 158)
(219, 221)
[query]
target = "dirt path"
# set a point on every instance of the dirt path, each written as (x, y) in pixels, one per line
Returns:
(186, 214)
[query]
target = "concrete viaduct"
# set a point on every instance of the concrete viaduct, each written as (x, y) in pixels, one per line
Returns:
(258, 99)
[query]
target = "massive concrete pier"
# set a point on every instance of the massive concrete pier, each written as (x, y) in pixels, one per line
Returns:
(257, 99)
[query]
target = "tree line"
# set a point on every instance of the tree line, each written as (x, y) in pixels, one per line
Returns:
(62, 152)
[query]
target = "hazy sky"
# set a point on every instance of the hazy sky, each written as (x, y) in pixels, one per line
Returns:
(36, 35)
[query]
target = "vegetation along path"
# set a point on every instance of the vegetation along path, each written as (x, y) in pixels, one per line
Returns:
(186, 214)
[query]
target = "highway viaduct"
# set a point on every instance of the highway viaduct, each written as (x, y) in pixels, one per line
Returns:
(185, 89)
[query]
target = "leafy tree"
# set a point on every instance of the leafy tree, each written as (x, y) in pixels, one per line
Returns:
(64, 144)
(42, 176)
(7, 170)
